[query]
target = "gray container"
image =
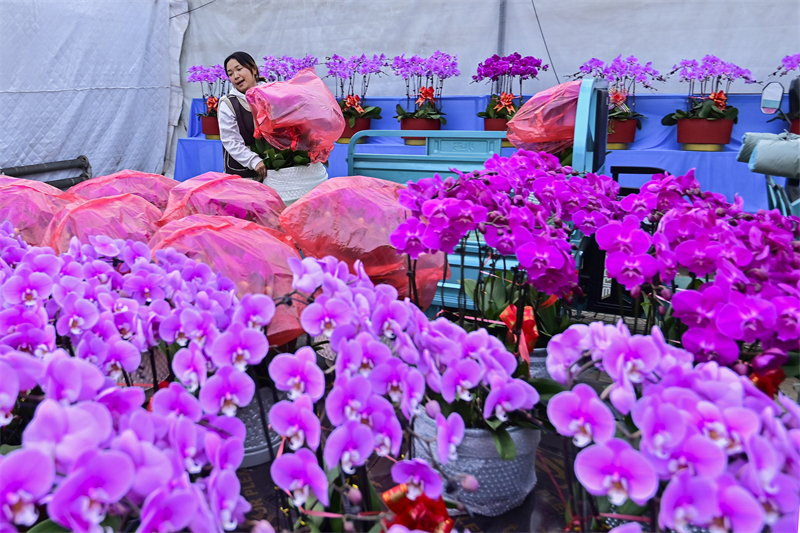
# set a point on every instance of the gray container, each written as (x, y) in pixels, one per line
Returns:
(256, 450)
(538, 366)
(503, 484)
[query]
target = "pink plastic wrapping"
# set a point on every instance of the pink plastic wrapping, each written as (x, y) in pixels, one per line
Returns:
(219, 194)
(152, 187)
(351, 218)
(299, 114)
(126, 216)
(31, 206)
(546, 122)
(254, 257)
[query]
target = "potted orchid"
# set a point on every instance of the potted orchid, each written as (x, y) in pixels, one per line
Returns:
(789, 64)
(622, 75)
(708, 120)
(285, 68)
(214, 84)
(503, 73)
(424, 79)
(351, 94)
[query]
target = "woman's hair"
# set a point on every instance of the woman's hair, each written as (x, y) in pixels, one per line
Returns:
(245, 60)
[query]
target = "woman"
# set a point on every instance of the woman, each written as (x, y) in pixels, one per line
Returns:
(236, 125)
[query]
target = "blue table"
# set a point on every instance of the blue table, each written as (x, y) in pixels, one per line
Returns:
(655, 145)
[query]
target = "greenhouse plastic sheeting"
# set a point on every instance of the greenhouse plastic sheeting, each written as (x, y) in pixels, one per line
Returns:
(352, 218)
(546, 122)
(152, 187)
(214, 193)
(31, 206)
(254, 257)
(299, 114)
(120, 217)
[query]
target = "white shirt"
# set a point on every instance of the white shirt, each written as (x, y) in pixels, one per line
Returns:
(229, 132)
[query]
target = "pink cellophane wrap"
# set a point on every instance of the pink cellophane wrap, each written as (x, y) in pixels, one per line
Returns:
(31, 206)
(546, 122)
(219, 194)
(352, 218)
(152, 187)
(126, 216)
(254, 257)
(299, 114)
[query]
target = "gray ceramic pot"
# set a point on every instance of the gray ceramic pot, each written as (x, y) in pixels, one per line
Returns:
(538, 366)
(503, 484)
(256, 450)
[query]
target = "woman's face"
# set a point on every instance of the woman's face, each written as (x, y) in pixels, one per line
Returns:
(241, 77)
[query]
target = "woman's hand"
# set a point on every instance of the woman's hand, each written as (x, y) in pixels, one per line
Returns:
(261, 169)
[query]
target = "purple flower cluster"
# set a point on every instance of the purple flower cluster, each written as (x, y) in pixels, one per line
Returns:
(754, 295)
(286, 67)
(730, 454)
(72, 325)
(513, 66)
(709, 74)
(439, 65)
(345, 71)
(388, 356)
(788, 64)
(622, 74)
(520, 204)
(209, 75)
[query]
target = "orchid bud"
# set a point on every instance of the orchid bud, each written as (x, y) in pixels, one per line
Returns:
(636, 292)
(741, 369)
(666, 294)
(262, 526)
(349, 526)
(354, 495)
(662, 310)
(469, 483)
(432, 408)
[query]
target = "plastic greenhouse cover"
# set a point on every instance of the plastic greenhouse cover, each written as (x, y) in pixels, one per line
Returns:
(254, 257)
(546, 122)
(152, 187)
(352, 218)
(126, 216)
(31, 206)
(299, 114)
(214, 193)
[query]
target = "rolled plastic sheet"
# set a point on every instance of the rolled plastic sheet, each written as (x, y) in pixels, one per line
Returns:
(777, 157)
(351, 218)
(152, 187)
(749, 142)
(218, 194)
(254, 257)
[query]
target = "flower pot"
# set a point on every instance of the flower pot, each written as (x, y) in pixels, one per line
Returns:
(795, 126)
(538, 365)
(503, 484)
(430, 124)
(293, 182)
(702, 135)
(621, 133)
(497, 124)
(360, 125)
(256, 448)
(210, 126)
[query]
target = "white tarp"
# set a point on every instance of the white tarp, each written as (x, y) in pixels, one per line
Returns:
(85, 77)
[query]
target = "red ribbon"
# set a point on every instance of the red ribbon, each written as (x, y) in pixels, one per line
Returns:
(720, 100)
(353, 101)
(506, 102)
(212, 103)
(530, 332)
(425, 94)
(423, 513)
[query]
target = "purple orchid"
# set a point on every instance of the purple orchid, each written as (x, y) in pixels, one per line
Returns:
(386, 429)
(26, 476)
(348, 399)
(239, 346)
(188, 325)
(298, 374)
(361, 355)
(190, 367)
(9, 389)
(449, 434)
(322, 319)
(747, 320)
(121, 356)
(77, 315)
(221, 453)
(616, 470)
(187, 442)
(254, 311)
(226, 390)
(390, 319)
(687, 501)
(350, 445)
(175, 401)
(631, 270)
(98, 480)
(581, 414)
(508, 395)
(297, 422)
(27, 287)
(459, 378)
(153, 467)
(166, 511)
(737, 510)
(565, 350)
(419, 477)
(69, 379)
(299, 474)
(307, 275)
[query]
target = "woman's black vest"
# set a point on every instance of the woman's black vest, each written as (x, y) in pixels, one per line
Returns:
(244, 119)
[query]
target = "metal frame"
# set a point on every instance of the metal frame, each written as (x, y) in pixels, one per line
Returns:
(81, 162)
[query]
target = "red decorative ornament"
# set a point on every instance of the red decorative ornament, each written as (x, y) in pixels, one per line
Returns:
(212, 103)
(769, 382)
(506, 102)
(354, 102)
(422, 513)
(720, 100)
(425, 94)
(530, 332)
(617, 98)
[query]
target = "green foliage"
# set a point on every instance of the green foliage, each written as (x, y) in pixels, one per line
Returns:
(504, 443)
(702, 108)
(547, 388)
(426, 110)
(491, 112)
(351, 113)
(278, 159)
(6, 449)
(48, 526)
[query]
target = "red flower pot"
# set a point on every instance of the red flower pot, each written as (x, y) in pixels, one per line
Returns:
(361, 124)
(497, 124)
(795, 126)
(704, 135)
(429, 124)
(210, 127)
(621, 133)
